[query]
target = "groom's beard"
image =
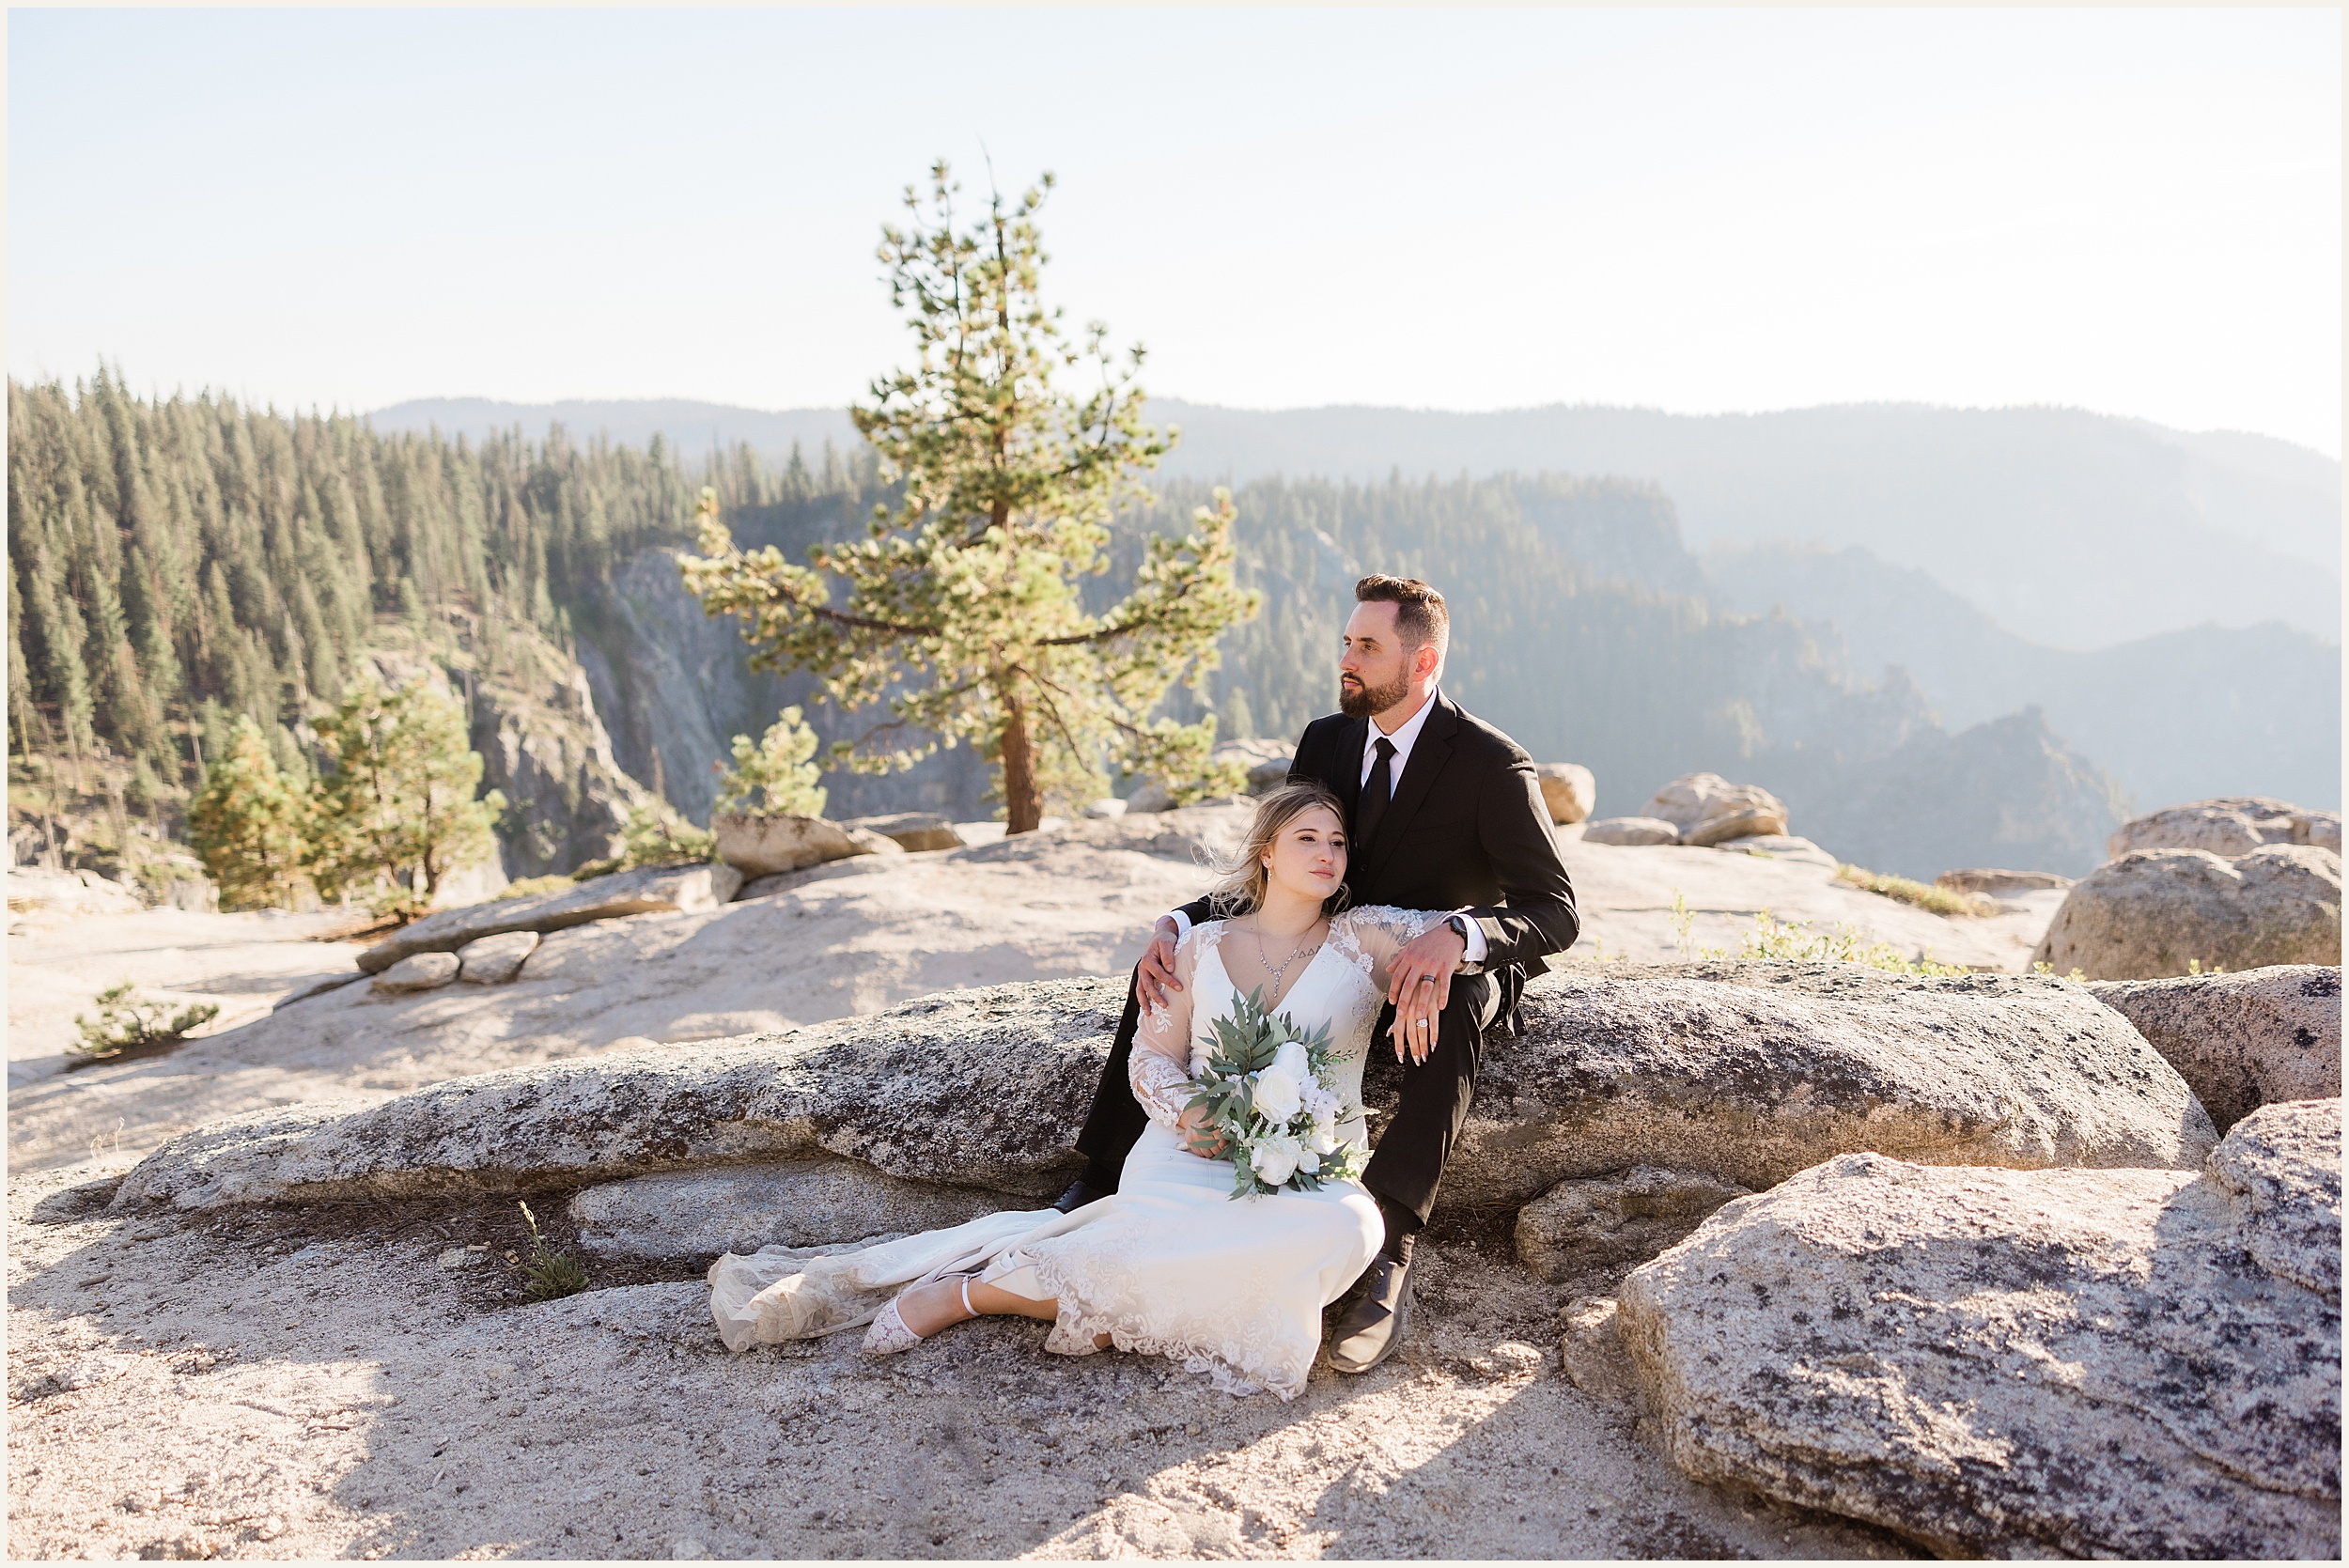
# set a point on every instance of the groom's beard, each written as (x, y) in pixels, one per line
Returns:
(1357, 701)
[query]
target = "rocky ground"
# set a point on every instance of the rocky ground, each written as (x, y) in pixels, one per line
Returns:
(361, 1379)
(356, 1382)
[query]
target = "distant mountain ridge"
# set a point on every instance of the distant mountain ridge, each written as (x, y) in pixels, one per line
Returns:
(2176, 717)
(2070, 529)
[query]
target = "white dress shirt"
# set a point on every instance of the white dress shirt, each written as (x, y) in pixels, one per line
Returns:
(1405, 736)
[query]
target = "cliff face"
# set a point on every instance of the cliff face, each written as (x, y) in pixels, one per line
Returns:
(676, 684)
(566, 799)
(534, 721)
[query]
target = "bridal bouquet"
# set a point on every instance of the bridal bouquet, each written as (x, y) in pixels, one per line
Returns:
(1267, 1091)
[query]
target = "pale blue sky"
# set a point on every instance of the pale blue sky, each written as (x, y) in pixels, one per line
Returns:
(2133, 212)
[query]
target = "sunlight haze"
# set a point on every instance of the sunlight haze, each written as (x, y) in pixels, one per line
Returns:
(2136, 213)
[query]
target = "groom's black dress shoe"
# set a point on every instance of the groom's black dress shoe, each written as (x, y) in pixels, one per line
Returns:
(1373, 1326)
(1080, 1193)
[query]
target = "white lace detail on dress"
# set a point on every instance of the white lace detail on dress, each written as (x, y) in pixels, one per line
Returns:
(1161, 1086)
(1234, 1335)
(1404, 926)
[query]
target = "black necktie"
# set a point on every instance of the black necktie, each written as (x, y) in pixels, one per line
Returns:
(1377, 792)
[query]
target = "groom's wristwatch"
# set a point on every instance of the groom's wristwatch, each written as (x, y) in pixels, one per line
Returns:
(1459, 924)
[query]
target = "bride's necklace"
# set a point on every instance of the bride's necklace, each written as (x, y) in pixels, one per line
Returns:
(1280, 974)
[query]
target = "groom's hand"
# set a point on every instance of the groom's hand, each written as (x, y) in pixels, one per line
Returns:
(1155, 977)
(1419, 985)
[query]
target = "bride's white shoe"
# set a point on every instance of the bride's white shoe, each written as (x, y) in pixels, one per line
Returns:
(888, 1335)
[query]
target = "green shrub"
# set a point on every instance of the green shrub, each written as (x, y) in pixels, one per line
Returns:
(126, 1020)
(657, 835)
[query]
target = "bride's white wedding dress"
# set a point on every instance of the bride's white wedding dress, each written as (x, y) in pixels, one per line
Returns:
(1171, 1264)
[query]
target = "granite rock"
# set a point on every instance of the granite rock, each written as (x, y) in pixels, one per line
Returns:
(1630, 831)
(1590, 1351)
(1705, 808)
(695, 1215)
(418, 972)
(496, 960)
(2227, 826)
(2158, 913)
(768, 844)
(1607, 1222)
(1568, 789)
(2089, 1363)
(1746, 1072)
(651, 891)
(2241, 1041)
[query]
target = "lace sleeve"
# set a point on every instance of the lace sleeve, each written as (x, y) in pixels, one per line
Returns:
(1377, 932)
(1159, 1068)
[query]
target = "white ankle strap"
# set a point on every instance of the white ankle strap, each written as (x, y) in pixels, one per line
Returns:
(966, 1296)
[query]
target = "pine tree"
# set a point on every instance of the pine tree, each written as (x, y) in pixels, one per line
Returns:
(248, 824)
(775, 773)
(397, 811)
(962, 611)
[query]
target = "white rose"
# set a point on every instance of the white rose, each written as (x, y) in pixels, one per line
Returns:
(1278, 1094)
(1275, 1159)
(1323, 1140)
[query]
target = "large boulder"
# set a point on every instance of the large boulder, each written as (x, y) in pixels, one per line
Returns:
(650, 891)
(1705, 808)
(1749, 1071)
(1569, 791)
(2228, 826)
(2089, 1363)
(2158, 913)
(1744, 1072)
(2241, 1041)
(768, 843)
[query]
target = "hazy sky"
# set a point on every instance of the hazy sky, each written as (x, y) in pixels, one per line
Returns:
(2133, 212)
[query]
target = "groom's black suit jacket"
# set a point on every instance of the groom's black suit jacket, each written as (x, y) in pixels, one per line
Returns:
(1467, 827)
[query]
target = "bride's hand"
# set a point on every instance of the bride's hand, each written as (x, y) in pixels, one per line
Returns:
(1205, 1145)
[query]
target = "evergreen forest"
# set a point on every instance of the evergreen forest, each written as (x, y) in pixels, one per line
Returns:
(175, 563)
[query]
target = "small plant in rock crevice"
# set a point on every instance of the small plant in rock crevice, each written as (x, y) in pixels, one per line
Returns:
(548, 1275)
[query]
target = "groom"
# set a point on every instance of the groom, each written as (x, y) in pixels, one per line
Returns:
(1445, 812)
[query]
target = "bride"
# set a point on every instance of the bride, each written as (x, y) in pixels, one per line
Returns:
(1171, 1264)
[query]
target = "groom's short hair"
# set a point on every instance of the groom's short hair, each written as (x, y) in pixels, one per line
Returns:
(1420, 615)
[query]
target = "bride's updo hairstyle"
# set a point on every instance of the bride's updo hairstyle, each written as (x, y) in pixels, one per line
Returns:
(1241, 878)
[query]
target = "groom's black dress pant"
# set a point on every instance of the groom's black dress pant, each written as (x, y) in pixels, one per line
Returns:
(1407, 1167)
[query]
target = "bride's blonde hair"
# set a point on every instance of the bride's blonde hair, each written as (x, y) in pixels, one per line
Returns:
(1242, 878)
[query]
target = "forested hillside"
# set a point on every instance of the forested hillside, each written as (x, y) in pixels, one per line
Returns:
(175, 563)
